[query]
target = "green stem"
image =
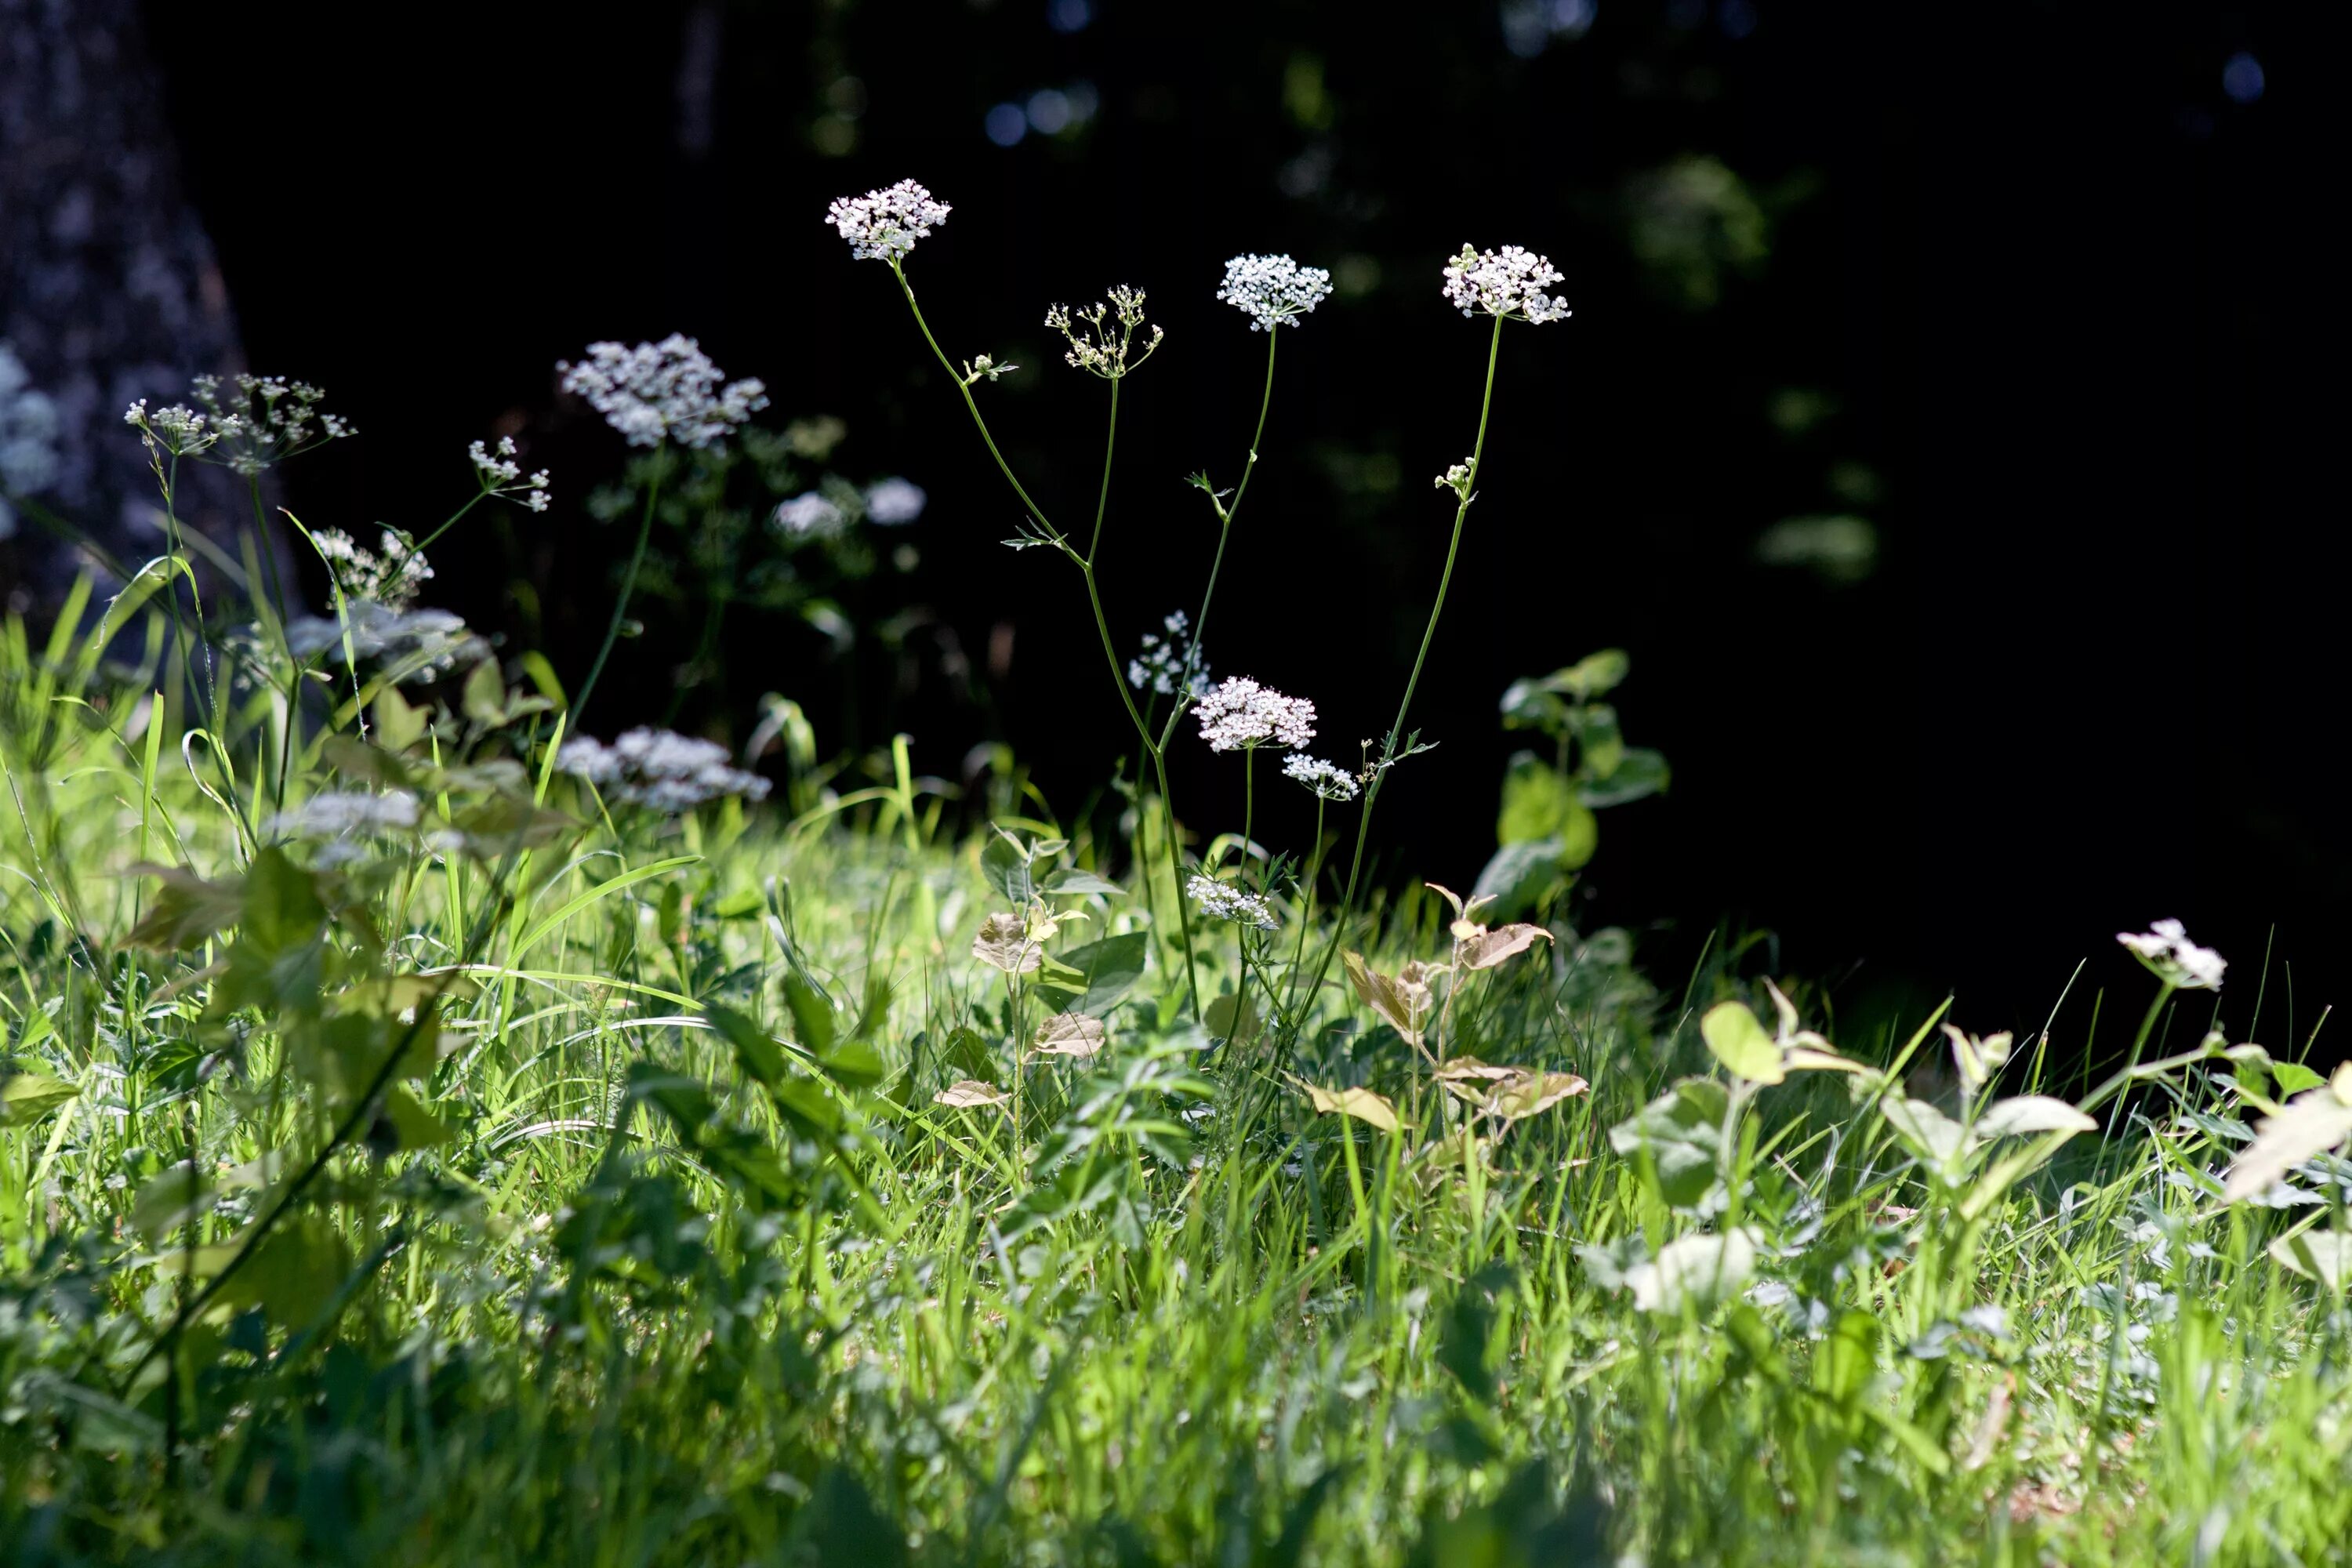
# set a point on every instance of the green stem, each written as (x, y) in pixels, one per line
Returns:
(1176, 880)
(1102, 500)
(965, 389)
(1413, 681)
(620, 606)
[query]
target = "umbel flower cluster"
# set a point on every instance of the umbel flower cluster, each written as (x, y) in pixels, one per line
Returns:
(1160, 667)
(389, 575)
(659, 768)
(664, 391)
(883, 225)
(501, 474)
(2166, 950)
(1328, 780)
(1100, 335)
(1223, 901)
(1273, 290)
(265, 421)
(1238, 714)
(1509, 283)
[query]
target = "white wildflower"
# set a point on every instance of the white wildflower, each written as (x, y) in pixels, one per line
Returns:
(390, 576)
(1102, 334)
(264, 420)
(982, 368)
(1220, 901)
(337, 814)
(414, 645)
(883, 225)
(1509, 283)
(1271, 289)
(894, 501)
(501, 474)
(28, 436)
(2166, 950)
(1161, 667)
(660, 769)
(664, 391)
(1328, 780)
(1456, 478)
(1238, 713)
(809, 515)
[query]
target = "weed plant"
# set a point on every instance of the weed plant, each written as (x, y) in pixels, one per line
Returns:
(432, 1134)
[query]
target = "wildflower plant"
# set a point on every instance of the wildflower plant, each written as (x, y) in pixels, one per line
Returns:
(1271, 290)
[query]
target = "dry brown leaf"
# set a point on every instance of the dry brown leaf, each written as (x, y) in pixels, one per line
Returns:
(1490, 948)
(1403, 1000)
(1069, 1034)
(968, 1092)
(1003, 942)
(1361, 1103)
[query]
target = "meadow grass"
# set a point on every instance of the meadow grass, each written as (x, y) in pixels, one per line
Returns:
(430, 1135)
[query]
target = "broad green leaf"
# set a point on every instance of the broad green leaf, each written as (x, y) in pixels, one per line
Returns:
(186, 909)
(2324, 1256)
(1528, 706)
(1074, 880)
(1741, 1042)
(1520, 876)
(2294, 1077)
(2311, 1123)
(1640, 773)
(28, 1096)
(755, 1049)
(1539, 802)
(1590, 676)
(415, 1127)
(1926, 1132)
(1694, 1273)
(293, 1273)
(1005, 864)
(484, 697)
(967, 1053)
(1105, 971)
(812, 1013)
(1361, 1103)
(399, 724)
(1682, 1134)
(853, 1064)
(1599, 746)
(1848, 1359)
(2031, 1113)
(170, 1199)
(1229, 1017)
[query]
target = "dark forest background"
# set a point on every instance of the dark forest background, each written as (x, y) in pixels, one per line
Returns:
(2037, 297)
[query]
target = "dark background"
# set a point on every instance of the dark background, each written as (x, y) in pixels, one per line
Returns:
(2025, 287)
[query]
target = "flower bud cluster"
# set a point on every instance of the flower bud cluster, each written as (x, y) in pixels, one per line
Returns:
(664, 391)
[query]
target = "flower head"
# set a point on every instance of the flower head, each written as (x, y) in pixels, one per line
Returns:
(1221, 901)
(811, 514)
(1328, 780)
(1102, 334)
(1508, 283)
(894, 501)
(1271, 289)
(1163, 665)
(1238, 713)
(2166, 950)
(664, 391)
(659, 768)
(883, 225)
(501, 474)
(411, 645)
(389, 575)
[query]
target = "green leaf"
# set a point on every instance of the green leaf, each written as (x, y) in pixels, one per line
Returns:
(2027, 1114)
(1519, 877)
(760, 1055)
(967, 1054)
(1528, 706)
(2294, 1077)
(1639, 772)
(26, 1097)
(1600, 744)
(2322, 1254)
(1075, 882)
(1102, 972)
(399, 723)
(1229, 1017)
(293, 1273)
(1927, 1133)
(1682, 1134)
(1005, 864)
(1847, 1360)
(415, 1127)
(812, 1013)
(484, 698)
(1537, 801)
(1590, 676)
(853, 1064)
(186, 909)
(1694, 1273)
(1741, 1042)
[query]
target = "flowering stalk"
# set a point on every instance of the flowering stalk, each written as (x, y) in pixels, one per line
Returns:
(620, 604)
(1084, 563)
(1464, 489)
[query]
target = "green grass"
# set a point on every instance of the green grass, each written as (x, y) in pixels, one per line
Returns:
(595, 1205)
